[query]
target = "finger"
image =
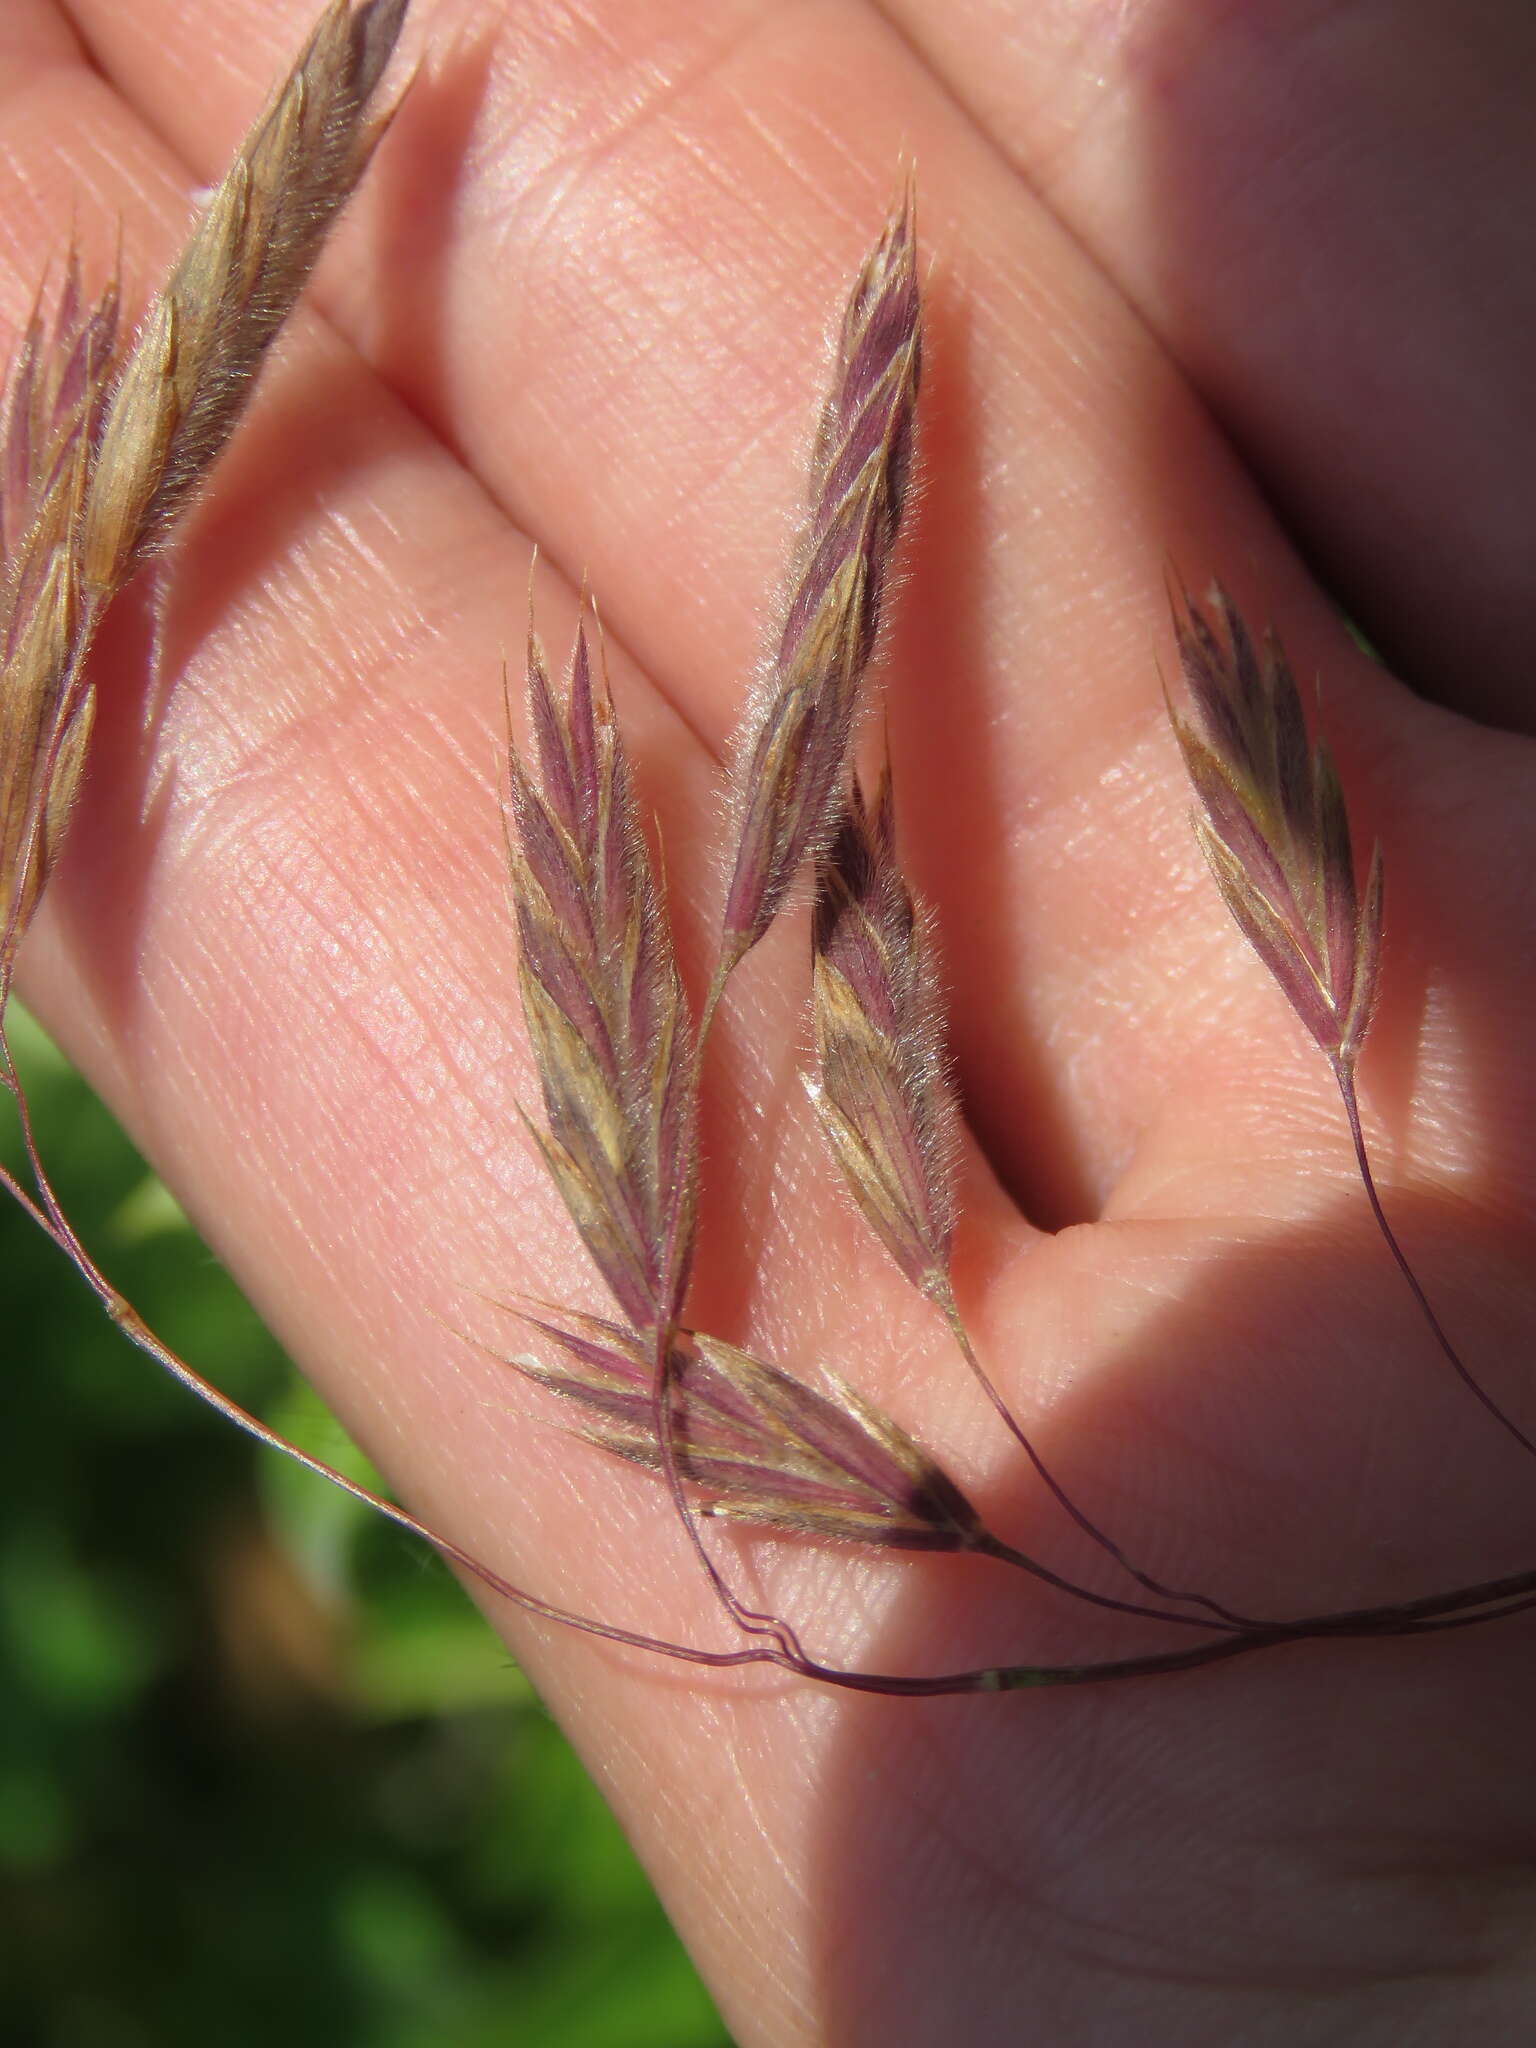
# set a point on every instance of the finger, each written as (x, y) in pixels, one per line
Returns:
(1323, 213)
(1097, 1006)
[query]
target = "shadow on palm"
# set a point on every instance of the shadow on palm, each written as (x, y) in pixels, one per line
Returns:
(1311, 1819)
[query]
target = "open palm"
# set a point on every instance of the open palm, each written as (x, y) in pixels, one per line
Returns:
(582, 303)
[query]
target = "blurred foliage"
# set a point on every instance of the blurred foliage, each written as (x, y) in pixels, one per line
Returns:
(264, 1773)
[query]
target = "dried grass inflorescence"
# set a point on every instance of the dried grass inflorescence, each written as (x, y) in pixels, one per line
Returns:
(103, 449)
(102, 455)
(56, 396)
(882, 1091)
(792, 758)
(761, 1445)
(187, 379)
(748, 1441)
(604, 1006)
(1274, 828)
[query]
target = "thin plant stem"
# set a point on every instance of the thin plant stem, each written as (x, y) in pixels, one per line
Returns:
(753, 1621)
(1004, 1553)
(1410, 1618)
(50, 1218)
(1346, 1080)
(1226, 1617)
(724, 968)
(1497, 1611)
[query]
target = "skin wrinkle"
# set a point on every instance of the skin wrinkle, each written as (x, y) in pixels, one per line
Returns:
(267, 778)
(1084, 1937)
(668, 90)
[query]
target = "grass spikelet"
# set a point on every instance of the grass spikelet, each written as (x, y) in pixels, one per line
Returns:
(191, 370)
(100, 458)
(56, 392)
(764, 1448)
(604, 1007)
(1274, 828)
(882, 1091)
(792, 757)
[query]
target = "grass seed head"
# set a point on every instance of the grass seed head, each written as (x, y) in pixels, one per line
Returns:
(196, 357)
(56, 393)
(763, 1448)
(1273, 826)
(792, 758)
(882, 1090)
(101, 454)
(605, 1009)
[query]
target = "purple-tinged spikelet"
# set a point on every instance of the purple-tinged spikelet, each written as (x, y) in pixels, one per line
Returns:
(763, 1448)
(98, 460)
(191, 371)
(882, 1090)
(793, 755)
(605, 1009)
(55, 396)
(1273, 827)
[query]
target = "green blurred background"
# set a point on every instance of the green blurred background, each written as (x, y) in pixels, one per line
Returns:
(265, 1776)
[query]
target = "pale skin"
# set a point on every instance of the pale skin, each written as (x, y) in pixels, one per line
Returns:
(583, 303)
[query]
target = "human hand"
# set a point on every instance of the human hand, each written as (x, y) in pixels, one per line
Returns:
(582, 303)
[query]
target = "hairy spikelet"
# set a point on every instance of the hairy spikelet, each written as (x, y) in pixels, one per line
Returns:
(763, 1448)
(100, 457)
(191, 369)
(55, 392)
(55, 396)
(882, 1091)
(604, 1007)
(1273, 826)
(792, 758)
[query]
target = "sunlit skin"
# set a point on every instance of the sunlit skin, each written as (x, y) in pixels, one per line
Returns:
(583, 302)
